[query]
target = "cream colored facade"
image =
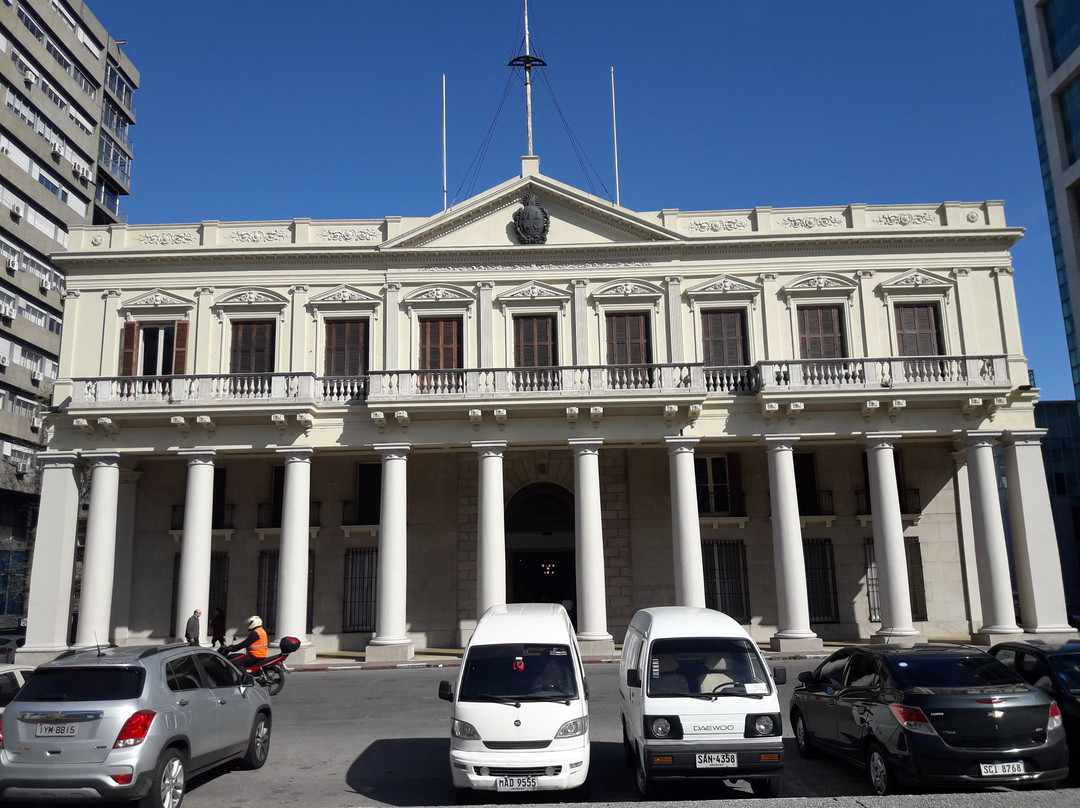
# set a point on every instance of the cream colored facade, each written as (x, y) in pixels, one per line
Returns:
(592, 467)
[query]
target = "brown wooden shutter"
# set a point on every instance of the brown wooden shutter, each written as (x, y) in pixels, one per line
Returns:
(440, 344)
(821, 334)
(180, 339)
(252, 347)
(129, 350)
(724, 338)
(346, 348)
(918, 329)
(534, 342)
(628, 339)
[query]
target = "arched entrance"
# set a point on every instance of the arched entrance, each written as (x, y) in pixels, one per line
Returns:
(540, 562)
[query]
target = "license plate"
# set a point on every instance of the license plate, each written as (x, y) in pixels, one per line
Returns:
(515, 784)
(56, 730)
(1012, 767)
(716, 760)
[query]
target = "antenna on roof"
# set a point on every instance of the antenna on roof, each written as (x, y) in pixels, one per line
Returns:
(527, 61)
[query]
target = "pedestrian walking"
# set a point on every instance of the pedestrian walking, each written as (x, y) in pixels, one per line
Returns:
(193, 630)
(217, 628)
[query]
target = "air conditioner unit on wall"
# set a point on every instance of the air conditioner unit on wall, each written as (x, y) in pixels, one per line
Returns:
(37, 375)
(35, 424)
(16, 211)
(7, 311)
(12, 264)
(57, 149)
(22, 466)
(46, 285)
(4, 360)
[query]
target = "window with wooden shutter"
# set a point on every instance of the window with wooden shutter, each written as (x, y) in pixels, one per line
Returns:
(628, 339)
(252, 346)
(129, 350)
(821, 332)
(440, 344)
(534, 341)
(180, 342)
(723, 334)
(918, 329)
(346, 348)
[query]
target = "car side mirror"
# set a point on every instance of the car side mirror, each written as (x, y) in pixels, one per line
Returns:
(779, 675)
(247, 680)
(633, 677)
(446, 690)
(806, 677)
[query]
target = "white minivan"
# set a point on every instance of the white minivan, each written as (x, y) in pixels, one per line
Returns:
(519, 718)
(698, 701)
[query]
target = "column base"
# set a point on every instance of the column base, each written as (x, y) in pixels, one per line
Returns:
(992, 636)
(395, 652)
(801, 645)
(304, 655)
(596, 646)
(1049, 635)
(914, 638)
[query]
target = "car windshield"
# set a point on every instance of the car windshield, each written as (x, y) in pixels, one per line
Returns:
(1067, 668)
(711, 666)
(518, 671)
(950, 671)
(83, 684)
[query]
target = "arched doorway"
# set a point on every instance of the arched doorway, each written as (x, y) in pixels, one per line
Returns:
(541, 565)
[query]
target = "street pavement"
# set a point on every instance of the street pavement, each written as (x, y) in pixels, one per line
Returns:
(345, 738)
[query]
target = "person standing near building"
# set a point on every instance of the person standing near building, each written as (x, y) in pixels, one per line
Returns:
(193, 630)
(217, 628)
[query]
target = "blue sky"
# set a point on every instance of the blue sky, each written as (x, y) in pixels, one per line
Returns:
(333, 109)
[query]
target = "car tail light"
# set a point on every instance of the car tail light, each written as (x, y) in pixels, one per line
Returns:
(134, 730)
(1053, 723)
(912, 718)
(1, 733)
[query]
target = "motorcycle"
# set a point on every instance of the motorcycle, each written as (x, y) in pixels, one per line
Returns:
(268, 672)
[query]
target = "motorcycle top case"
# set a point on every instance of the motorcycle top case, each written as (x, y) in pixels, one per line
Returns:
(289, 645)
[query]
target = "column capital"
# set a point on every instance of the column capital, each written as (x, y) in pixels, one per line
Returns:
(58, 460)
(876, 439)
(296, 454)
(198, 457)
(585, 445)
(978, 437)
(677, 444)
(1023, 437)
(392, 450)
(780, 442)
(102, 457)
(489, 447)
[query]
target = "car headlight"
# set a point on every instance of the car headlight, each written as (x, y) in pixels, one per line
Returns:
(758, 726)
(571, 729)
(465, 730)
(661, 727)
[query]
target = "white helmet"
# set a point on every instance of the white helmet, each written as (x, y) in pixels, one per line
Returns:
(254, 622)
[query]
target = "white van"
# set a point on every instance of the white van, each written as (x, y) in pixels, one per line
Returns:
(519, 718)
(698, 701)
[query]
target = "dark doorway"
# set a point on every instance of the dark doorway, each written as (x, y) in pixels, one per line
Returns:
(540, 556)
(543, 576)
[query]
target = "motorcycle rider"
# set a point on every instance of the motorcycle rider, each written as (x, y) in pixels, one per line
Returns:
(256, 644)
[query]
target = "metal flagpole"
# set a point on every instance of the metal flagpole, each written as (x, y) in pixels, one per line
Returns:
(527, 61)
(444, 142)
(615, 134)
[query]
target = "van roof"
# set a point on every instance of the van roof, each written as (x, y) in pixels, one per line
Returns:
(686, 621)
(523, 622)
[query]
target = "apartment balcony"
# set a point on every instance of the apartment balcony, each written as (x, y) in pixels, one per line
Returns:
(860, 380)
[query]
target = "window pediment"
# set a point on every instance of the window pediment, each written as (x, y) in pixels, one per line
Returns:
(628, 291)
(534, 292)
(821, 285)
(439, 296)
(253, 298)
(724, 288)
(343, 297)
(918, 281)
(156, 301)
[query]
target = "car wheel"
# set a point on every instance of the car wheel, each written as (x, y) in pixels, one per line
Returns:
(766, 786)
(259, 743)
(881, 774)
(170, 778)
(802, 737)
(628, 750)
(275, 680)
(645, 787)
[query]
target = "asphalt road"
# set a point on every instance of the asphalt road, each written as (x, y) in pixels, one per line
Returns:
(346, 738)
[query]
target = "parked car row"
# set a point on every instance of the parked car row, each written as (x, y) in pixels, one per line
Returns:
(130, 723)
(698, 701)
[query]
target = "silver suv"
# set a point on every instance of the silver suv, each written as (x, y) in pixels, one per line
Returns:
(129, 723)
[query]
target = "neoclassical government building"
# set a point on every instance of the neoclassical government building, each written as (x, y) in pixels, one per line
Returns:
(369, 431)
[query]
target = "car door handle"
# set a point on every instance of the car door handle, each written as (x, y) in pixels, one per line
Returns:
(222, 701)
(182, 703)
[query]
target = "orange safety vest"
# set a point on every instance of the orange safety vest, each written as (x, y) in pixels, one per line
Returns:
(258, 648)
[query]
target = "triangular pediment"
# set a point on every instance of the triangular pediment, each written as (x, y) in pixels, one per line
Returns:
(534, 291)
(157, 299)
(918, 280)
(343, 295)
(566, 216)
(722, 287)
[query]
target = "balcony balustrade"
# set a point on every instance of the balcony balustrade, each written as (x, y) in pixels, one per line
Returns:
(907, 374)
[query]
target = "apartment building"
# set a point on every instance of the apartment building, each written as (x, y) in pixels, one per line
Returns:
(65, 159)
(368, 431)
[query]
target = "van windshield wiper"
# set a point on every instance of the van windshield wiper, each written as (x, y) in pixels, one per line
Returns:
(516, 702)
(724, 694)
(547, 697)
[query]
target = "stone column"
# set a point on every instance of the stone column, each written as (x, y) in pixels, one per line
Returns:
(99, 555)
(49, 608)
(593, 636)
(685, 527)
(793, 605)
(491, 529)
(889, 551)
(390, 642)
(125, 546)
(1034, 541)
(484, 324)
(580, 314)
(193, 590)
(293, 556)
(673, 301)
(991, 552)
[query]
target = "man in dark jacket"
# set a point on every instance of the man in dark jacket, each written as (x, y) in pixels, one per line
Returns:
(193, 631)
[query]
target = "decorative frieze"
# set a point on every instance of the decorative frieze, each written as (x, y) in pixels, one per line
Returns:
(349, 234)
(471, 268)
(164, 239)
(811, 222)
(906, 219)
(716, 225)
(258, 236)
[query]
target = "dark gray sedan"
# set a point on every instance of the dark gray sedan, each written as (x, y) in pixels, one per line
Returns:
(929, 715)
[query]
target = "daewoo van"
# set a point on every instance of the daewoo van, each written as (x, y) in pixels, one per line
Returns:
(519, 718)
(698, 701)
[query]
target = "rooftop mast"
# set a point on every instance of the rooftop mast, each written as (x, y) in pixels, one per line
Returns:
(527, 61)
